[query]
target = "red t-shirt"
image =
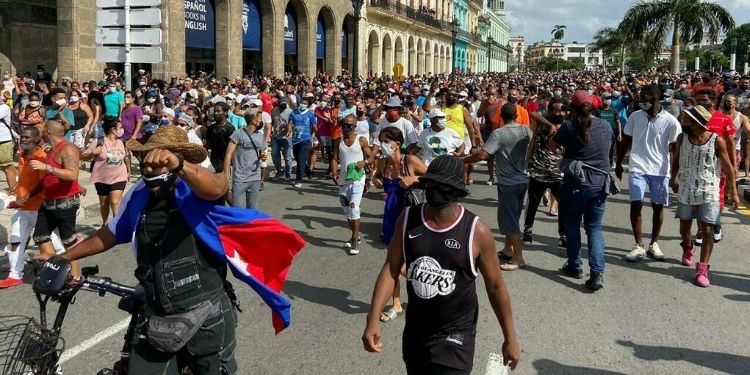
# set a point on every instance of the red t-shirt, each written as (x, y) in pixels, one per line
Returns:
(722, 125)
(267, 100)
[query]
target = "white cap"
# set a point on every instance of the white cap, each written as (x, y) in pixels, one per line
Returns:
(436, 112)
(167, 111)
(463, 93)
(426, 87)
(393, 102)
(231, 96)
(218, 99)
(257, 102)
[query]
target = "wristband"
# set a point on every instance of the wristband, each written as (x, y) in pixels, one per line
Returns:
(180, 165)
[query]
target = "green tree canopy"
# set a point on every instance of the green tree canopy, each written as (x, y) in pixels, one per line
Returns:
(742, 35)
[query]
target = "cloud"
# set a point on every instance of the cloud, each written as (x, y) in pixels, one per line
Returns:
(534, 19)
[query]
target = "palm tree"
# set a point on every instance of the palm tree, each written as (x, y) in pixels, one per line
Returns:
(558, 32)
(689, 21)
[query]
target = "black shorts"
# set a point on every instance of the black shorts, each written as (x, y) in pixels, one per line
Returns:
(103, 190)
(61, 217)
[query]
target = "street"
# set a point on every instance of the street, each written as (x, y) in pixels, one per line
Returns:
(648, 319)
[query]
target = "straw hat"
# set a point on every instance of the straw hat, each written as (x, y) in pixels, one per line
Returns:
(174, 139)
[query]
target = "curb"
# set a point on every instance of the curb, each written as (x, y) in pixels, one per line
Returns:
(744, 192)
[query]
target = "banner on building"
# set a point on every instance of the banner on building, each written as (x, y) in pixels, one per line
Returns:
(320, 40)
(200, 30)
(290, 33)
(251, 28)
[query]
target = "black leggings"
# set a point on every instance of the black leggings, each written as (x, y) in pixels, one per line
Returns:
(536, 191)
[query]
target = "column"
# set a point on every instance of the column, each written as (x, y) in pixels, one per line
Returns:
(228, 38)
(76, 44)
(172, 34)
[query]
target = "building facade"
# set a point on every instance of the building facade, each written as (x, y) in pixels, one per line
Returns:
(498, 36)
(571, 51)
(413, 33)
(226, 37)
(518, 53)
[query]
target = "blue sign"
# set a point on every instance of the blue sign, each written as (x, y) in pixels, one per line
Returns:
(251, 39)
(290, 33)
(320, 40)
(200, 31)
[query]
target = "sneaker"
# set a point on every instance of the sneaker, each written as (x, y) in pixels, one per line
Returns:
(654, 252)
(262, 185)
(562, 242)
(10, 282)
(348, 244)
(698, 238)
(571, 271)
(354, 249)
(491, 181)
(718, 234)
(527, 237)
(595, 281)
(636, 254)
(687, 254)
(297, 185)
(701, 275)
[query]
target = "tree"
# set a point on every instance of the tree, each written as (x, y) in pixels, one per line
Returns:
(611, 40)
(742, 35)
(550, 64)
(709, 59)
(558, 32)
(689, 21)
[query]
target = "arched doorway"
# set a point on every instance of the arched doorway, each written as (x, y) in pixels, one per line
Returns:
(428, 57)
(373, 53)
(347, 44)
(399, 50)
(412, 57)
(420, 57)
(435, 60)
(200, 36)
(387, 56)
(296, 35)
(252, 40)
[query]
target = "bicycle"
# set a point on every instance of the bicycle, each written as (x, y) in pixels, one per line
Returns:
(28, 347)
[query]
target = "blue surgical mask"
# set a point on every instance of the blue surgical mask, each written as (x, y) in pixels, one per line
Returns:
(607, 101)
(302, 107)
(164, 121)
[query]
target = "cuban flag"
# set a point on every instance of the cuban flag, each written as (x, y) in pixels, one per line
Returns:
(258, 248)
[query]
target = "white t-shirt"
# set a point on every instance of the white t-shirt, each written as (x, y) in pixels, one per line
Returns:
(649, 153)
(406, 127)
(434, 144)
(5, 134)
(8, 85)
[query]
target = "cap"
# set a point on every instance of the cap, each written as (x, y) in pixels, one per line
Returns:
(581, 97)
(252, 112)
(668, 93)
(463, 94)
(103, 83)
(447, 170)
(393, 102)
(167, 111)
(436, 112)
(257, 102)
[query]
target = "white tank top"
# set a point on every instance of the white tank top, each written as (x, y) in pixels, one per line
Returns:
(348, 155)
(738, 135)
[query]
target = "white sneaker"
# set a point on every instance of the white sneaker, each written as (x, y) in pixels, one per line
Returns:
(636, 254)
(718, 235)
(297, 185)
(655, 252)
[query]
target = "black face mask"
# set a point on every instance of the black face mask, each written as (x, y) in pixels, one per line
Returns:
(512, 99)
(557, 119)
(360, 113)
(282, 106)
(160, 184)
(726, 106)
(438, 198)
(451, 101)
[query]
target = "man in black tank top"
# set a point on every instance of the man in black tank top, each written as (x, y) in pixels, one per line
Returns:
(444, 247)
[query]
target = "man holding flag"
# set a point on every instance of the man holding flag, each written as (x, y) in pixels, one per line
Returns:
(184, 239)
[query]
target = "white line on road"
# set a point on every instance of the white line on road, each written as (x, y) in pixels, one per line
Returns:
(99, 337)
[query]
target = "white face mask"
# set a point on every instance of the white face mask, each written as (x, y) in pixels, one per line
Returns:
(323, 104)
(34, 103)
(386, 149)
(74, 99)
(61, 102)
(441, 122)
(151, 100)
(645, 106)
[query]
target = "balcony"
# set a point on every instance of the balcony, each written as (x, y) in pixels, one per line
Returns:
(422, 15)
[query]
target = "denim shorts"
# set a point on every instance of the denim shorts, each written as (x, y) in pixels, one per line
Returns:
(510, 205)
(658, 186)
(708, 213)
(350, 195)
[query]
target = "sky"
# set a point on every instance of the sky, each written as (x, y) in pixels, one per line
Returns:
(534, 19)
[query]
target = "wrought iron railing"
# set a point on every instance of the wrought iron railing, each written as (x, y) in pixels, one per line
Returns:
(423, 15)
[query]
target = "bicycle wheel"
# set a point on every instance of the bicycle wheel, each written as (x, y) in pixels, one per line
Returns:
(27, 348)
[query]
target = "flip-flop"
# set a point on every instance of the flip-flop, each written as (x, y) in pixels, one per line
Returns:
(510, 266)
(390, 314)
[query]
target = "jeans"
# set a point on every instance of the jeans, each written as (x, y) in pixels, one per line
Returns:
(587, 203)
(246, 194)
(536, 191)
(280, 146)
(301, 151)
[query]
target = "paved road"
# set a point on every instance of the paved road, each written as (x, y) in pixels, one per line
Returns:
(648, 319)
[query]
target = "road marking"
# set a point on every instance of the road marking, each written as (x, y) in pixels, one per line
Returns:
(96, 339)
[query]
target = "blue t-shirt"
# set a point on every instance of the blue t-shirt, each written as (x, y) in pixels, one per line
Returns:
(112, 102)
(595, 153)
(236, 121)
(67, 113)
(302, 124)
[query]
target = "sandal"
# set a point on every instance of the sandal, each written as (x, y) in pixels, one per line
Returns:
(390, 314)
(510, 266)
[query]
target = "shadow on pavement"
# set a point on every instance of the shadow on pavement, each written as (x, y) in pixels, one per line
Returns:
(548, 366)
(722, 362)
(336, 298)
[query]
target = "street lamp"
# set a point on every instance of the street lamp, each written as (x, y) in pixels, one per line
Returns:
(357, 5)
(454, 31)
(490, 41)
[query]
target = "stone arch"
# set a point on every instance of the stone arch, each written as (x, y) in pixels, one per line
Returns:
(387, 54)
(347, 31)
(420, 57)
(428, 56)
(332, 38)
(373, 52)
(435, 59)
(412, 56)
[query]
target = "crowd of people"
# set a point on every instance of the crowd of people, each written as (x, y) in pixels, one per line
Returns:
(560, 139)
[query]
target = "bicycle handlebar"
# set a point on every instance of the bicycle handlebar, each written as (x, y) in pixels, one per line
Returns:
(105, 285)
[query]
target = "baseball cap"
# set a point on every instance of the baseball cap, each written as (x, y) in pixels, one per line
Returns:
(393, 102)
(168, 111)
(580, 98)
(436, 112)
